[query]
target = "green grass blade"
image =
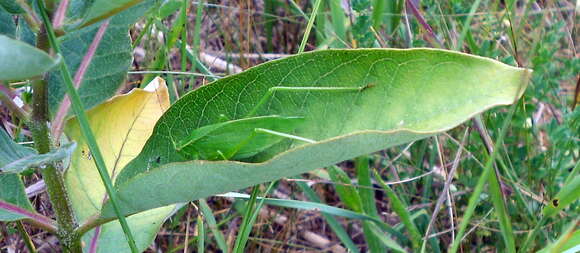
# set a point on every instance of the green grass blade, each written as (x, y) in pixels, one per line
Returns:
(385, 239)
(401, 210)
(309, 25)
(247, 222)
(338, 19)
(346, 192)
(487, 171)
(211, 223)
(367, 196)
(250, 217)
(200, 234)
(467, 25)
(332, 222)
(86, 130)
(196, 34)
(378, 11)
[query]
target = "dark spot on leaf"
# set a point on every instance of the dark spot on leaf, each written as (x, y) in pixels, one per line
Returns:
(555, 202)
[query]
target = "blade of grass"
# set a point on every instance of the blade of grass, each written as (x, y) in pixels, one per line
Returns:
(86, 130)
(487, 171)
(466, 25)
(332, 222)
(320, 26)
(378, 10)
(161, 58)
(497, 196)
(338, 19)
(394, 9)
(385, 239)
(183, 37)
(250, 218)
(401, 210)
(25, 237)
(240, 243)
(346, 191)
(367, 196)
(200, 234)
(196, 34)
(210, 220)
(309, 26)
(269, 8)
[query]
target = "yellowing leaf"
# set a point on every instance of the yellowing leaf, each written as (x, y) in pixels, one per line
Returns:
(121, 126)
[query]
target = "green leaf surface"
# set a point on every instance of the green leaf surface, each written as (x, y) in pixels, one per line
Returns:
(569, 194)
(11, 186)
(568, 242)
(38, 160)
(15, 158)
(108, 68)
(106, 72)
(145, 224)
(25, 60)
(401, 96)
(12, 191)
(7, 25)
(11, 151)
(11, 6)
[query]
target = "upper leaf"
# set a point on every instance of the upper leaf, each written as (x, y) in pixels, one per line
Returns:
(108, 69)
(11, 6)
(409, 94)
(83, 13)
(24, 60)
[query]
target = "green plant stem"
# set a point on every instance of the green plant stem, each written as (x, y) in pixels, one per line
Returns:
(53, 179)
(532, 234)
(88, 134)
(25, 237)
(487, 171)
(309, 25)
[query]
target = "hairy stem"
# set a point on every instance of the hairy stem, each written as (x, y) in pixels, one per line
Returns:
(53, 179)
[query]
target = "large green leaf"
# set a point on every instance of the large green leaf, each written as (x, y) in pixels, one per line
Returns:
(106, 72)
(144, 227)
(11, 186)
(37, 160)
(108, 68)
(7, 26)
(11, 6)
(406, 95)
(12, 191)
(15, 158)
(24, 60)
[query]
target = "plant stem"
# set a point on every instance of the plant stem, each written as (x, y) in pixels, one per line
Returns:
(52, 177)
(25, 237)
(309, 25)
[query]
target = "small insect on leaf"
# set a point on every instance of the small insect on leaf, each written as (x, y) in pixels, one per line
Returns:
(236, 139)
